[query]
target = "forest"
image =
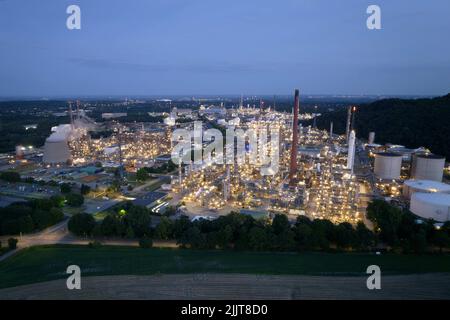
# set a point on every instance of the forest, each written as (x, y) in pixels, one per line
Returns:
(410, 122)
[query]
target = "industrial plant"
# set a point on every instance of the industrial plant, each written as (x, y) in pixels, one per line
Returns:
(319, 174)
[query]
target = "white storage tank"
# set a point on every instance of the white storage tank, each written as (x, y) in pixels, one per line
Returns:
(427, 167)
(427, 186)
(434, 206)
(388, 165)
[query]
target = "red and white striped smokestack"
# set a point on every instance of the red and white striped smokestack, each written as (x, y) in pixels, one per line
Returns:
(293, 164)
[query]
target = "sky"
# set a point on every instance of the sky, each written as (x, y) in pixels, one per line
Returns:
(193, 47)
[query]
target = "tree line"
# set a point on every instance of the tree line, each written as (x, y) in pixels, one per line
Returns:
(394, 228)
(413, 123)
(34, 215)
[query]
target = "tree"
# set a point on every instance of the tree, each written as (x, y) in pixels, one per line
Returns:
(258, 238)
(74, 199)
(164, 229)
(419, 241)
(82, 224)
(365, 237)
(129, 233)
(180, 226)
(10, 176)
(441, 239)
(42, 204)
(142, 175)
(110, 226)
(57, 200)
(56, 215)
(192, 237)
(320, 234)
(65, 188)
(387, 220)
(42, 219)
(12, 243)
(345, 235)
(224, 237)
(26, 224)
(85, 189)
(139, 219)
(283, 236)
(303, 233)
(146, 242)
(280, 224)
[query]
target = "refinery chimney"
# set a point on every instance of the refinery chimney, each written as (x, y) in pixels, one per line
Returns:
(371, 137)
(71, 115)
(293, 164)
(331, 130)
(349, 118)
(351, 151)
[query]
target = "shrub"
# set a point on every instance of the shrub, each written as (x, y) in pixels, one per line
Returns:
(75, 200)
(145, 242)
(82, 224)
(12, 243)
(94, 244)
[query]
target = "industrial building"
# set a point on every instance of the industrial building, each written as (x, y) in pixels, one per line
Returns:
(425, 186)
(434, 206)
(388, 165)
(427, 167)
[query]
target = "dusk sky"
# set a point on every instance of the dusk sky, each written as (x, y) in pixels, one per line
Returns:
(192, 47)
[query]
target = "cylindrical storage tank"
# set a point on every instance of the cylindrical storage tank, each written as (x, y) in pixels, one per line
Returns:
(388, 165)
(56, 151)
(434, 206)
(428, 167)
(425, 186)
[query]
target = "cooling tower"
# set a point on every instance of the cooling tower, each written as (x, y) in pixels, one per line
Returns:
(56, 148)
(56, 151)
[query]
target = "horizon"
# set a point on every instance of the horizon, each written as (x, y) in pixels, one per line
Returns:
(217, 96)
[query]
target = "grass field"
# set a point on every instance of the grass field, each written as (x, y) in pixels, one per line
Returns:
(46, 263)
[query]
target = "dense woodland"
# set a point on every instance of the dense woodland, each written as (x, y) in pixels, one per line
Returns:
(412, 123)
(26, 217)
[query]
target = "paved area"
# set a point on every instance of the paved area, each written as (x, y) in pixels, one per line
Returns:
(237, 287)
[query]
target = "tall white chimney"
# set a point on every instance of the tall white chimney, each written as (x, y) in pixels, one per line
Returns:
(351, 151)
(371, 137)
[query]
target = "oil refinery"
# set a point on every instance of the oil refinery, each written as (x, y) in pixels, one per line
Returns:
(319, 174)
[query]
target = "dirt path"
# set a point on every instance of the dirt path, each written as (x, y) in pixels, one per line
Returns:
(237, 287)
